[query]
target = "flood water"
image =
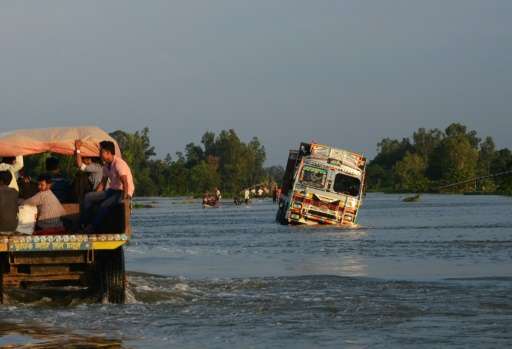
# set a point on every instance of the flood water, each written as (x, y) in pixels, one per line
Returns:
(433, 273)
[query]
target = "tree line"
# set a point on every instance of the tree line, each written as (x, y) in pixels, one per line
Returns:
(221, 161)
(433, 158)
(421, 163)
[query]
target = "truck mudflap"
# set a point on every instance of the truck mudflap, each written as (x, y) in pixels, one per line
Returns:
(71, 242)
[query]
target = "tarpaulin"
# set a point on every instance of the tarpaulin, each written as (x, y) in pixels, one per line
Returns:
(60, 140)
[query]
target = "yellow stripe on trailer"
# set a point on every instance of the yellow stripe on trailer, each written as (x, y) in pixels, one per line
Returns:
(74, 242)
(107, 245)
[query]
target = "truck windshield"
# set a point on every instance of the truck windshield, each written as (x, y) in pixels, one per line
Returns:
(313, 176)
(347, 185)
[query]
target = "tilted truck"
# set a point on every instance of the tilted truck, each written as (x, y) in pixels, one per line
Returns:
(322, 185)
(94, 261)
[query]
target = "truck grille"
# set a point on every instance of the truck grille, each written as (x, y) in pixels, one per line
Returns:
(323, 214)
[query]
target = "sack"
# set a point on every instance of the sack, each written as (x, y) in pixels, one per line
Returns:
(27, 217)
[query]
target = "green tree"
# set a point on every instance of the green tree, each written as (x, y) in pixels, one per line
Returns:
(380, 169)
(486, 156)
(204, 177)
(424, 142)
(503, 163)
(456, 159)
(410, 174)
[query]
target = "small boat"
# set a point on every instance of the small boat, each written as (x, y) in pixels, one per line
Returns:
(413, 198)
(211, 202)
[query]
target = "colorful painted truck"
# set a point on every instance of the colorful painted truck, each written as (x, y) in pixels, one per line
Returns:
(93, 261)
(322, 185)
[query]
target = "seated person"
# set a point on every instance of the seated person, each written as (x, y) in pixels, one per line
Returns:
(61, 186)
(8, 204)
(49, 209)
(117, 171)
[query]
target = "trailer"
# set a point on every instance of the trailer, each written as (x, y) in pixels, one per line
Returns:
(92, 261)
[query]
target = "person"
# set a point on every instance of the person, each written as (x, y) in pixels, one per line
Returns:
(260, 192)
(206, 197)
(49, 208)
(247, 196)
(8, 203)
(218, 195)
(278, 194)
(88, 165)
(14, 165)
(274, 194)
(121, 188)
(60, 186)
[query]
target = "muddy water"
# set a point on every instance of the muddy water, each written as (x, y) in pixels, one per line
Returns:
(434, 273)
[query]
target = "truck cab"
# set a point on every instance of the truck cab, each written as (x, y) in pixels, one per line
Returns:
(322, 185)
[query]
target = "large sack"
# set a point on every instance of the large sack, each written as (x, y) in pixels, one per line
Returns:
(27, 217)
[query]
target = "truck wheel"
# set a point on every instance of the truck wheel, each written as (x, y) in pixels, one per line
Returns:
(1, 287)
(2, 268)
(281, 213)
(112, 276)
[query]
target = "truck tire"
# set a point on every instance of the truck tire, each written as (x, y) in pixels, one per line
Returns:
(1, 287)
(111, 273)
(2, 269)
(281, 214)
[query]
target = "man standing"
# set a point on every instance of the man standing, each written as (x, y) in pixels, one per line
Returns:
(14, 165)
(121, 188)
(247, 196)
(8, 204)
(218, 195)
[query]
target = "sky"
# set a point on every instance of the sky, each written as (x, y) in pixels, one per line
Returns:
(344, 73)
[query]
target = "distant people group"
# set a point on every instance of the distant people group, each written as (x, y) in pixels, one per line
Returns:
(98, 185)
(261, 192)
(212, 198)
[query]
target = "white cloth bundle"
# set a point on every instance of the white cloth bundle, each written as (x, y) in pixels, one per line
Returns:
(27, 217)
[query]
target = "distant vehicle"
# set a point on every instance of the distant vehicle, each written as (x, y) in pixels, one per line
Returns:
(94, 261)
(322, 185)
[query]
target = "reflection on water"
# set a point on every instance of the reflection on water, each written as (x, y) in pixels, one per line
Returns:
(34, 335)
(436, 273)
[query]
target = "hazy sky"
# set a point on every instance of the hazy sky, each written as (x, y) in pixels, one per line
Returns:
(346, 73)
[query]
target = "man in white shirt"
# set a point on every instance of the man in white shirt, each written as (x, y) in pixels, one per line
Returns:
(86, 164)
(14, 165)
(247, 196)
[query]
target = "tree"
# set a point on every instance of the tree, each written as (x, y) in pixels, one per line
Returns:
(456, 160)
(380, 169)
(424, 142)
(204, 177)
(486, 156)
(410, 174)
(275, 174)
(503, 163)
(194, 155)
